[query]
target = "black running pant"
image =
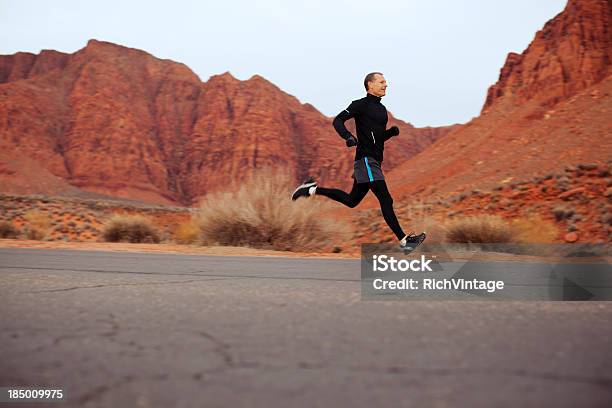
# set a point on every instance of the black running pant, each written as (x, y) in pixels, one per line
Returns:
(358, 192)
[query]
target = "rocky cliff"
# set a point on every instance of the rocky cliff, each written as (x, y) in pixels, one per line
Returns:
(118, 121)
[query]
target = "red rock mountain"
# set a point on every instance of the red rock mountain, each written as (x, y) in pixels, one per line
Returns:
(572, 52)
(551, 107)
(118, 121)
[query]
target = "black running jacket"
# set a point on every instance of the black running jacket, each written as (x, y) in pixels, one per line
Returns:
(370, 121)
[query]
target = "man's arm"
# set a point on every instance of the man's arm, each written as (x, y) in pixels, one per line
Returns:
(342, 117)
(389, 133)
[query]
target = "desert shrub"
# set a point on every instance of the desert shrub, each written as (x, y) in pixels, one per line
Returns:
(130, 228)
(37, 224)
(187, 233)
(534, 229)
(480, 229)
(8, 230)
(259, 213)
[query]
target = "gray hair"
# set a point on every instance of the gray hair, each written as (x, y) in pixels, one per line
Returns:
(370, 78)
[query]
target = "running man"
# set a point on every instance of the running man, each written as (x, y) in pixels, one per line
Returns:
(370, 122)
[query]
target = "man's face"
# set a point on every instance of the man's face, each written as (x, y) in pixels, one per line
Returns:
(378, 86)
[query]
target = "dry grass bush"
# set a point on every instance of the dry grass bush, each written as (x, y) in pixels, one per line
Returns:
(8, 230)
(480, 229)
(259, 213)
(130, 228)
(187, 233)
(37, 224)
(534, 229)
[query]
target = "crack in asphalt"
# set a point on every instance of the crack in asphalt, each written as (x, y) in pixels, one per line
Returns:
(117, 284)
(223, 349)
(283, 277)
(437, 372)
(190, 274)
(600, 381)
(95, 270)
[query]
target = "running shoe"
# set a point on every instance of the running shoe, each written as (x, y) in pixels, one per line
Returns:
(306, 189)
(411, 241)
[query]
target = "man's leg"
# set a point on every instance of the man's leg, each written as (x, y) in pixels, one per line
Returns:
(379, 188)
(351, 199)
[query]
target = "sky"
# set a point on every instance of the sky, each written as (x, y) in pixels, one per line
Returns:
(439, 56)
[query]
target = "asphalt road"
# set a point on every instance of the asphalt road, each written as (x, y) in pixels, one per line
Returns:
(161, 330)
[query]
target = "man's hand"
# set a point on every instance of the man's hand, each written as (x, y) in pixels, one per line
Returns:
(393, 131)
(351, 141)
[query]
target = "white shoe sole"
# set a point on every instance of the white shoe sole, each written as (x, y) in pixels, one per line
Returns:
(305, 185)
